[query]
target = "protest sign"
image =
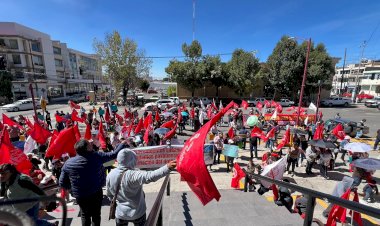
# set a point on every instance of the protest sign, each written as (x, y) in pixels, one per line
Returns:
(230, 150)
(156, 156)
(208, 151)
(275, 171)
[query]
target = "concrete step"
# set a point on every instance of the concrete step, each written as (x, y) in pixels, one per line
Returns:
(234, 208)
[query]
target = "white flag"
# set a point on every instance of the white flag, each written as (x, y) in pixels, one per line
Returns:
(30, 145)
(202, 106)
(220, 106)
(275, 170)
(306, 120)
(312, 107)
(274, 116)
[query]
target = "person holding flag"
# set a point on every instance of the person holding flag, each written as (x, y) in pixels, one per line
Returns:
(293, 154)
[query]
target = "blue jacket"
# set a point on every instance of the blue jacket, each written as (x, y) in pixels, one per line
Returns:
(84, 174)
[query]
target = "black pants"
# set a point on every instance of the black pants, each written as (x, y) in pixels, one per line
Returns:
(217, 156)
(323, 170)
(309, 166)
(253, 148)
(292, 162)
(90, 208)
(138, 222)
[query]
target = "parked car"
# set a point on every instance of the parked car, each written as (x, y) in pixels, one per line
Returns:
(20, 105)
(257, 100)
(336, 101)
(163, 103)
(373, 102)
(175, 99)
(140, 96)
(38, 100)
(205, 101)
(78, 98)
(286, 103)
(155, 98)
(364, 96)
(152, 91)
(149, 106)
(349, 126)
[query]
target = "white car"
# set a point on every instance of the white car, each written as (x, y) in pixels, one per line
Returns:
(20, 105)
(163, 103)
(260, 99)
(336, 101)
(286, 102)
(205, 101)
(140, 96)
(372, 103)
(175, 99)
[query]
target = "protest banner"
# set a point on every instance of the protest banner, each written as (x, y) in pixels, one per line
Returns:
(230, 150)
(275, 171)
(156, 156)
(208, 151)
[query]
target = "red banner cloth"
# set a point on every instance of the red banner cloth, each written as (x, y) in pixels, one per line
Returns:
(75, 117)
(170, 134)
(87, 134)
(102, 137)
(63, 143)
(285, 140)
(10, 122)
(169, 124)
(338, 131)
(39, 134)
(238, 175)
(231, 133)
(73, 105)
(244, 104)
(139, 126)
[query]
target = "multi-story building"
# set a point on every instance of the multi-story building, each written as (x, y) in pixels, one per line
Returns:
(54, 69)
(365, 76)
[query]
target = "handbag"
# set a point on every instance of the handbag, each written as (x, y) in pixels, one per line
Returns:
(113, 201)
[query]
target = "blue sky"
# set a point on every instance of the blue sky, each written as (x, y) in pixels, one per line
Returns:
(161, 27)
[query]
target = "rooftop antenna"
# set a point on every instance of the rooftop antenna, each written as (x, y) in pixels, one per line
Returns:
(193, 20)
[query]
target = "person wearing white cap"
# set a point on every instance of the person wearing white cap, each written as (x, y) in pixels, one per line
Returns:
(343, 143)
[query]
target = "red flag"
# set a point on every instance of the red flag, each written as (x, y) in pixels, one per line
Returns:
(1, 126)
(13, 155)
(77, 133)
(318, 134)
(285, 140)
(146, 134)
(273, 103)
(266, 103)
(338, 131)
(102, 137)
(257, 132)
(291, 108)
(279, 108)
(357, 215)
(259, 105)
(119, 118)
(157, 117)
(191, 165)
(213, 105)
(238, 175)
(192, 113)
(127, 114)
(107, 116)
(169, 124)
(235, 105)
(231, 132)
(139, 126)
(179, 118)
(75, 117)
(10, 122)
(338, 212)
(59, 118)
(271, 133)
(148, 120)
(87, 134)
(170, 134)
(275, 192)
(244, 104)
(63, 143)
(74, 105)
(39, 134)
(209, 113)
(29, 123)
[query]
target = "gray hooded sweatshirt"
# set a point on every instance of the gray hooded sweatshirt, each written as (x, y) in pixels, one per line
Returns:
(130, 200)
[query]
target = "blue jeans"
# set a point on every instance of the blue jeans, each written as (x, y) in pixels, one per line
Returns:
(33, 213)
(377, 141)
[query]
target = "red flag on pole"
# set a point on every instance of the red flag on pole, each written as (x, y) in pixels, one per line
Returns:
(191, 165)
(318, 134)
(146, 134)
(139, 127)
(127, 114)
(73, 105)
(279, 108)
(259, 105)
(267, 103)
(338, 131)
(170, 134)
(39, 134)
(119, 118)
(275, 192)
(257, 132)
(148, 120)
(231, 133)
(235, 105)
(192, 113)
(63, 143)
(169, 124)
(87, 134)
(292, 108)
(285, 140)
(107, 116)
(101, 137)
(77, 133)
(209, 112)
(273, 103)
(238, 175)
(75, 117)
(10, 122)
(157, 117)
(59, 118)
(213, 105)
(29, 123)
(244, 104)
(338, 212)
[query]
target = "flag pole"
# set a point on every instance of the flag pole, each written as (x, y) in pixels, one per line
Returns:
(34, 104)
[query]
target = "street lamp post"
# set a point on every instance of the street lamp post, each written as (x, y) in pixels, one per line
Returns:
(318, 100)
(303, 81)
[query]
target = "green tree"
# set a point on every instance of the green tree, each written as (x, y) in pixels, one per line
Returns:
(242, 69)
(188, 73)
(6, 84)
(144, 85)
(172, 91)
(214, 72)
(122, 61)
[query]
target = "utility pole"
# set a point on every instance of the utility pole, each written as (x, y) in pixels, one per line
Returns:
(344, 64)
(357, 74)
(31, 60)
(193, 20)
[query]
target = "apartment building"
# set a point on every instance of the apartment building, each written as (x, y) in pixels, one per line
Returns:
(55, 70)
(365, 75)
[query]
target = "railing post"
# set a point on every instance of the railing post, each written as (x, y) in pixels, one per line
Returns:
(309, 210)
(159, 220)
(246, 183)
(168, 188)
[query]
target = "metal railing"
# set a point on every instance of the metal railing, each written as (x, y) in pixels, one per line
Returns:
(312, 195)
(155, 215)
(40, 199)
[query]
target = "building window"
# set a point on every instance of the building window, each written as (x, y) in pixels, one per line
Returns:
(57, 50)
(36, 47)
(13, 44)
(16, 58)
(2, 42)
(58, 63)
(37, 60)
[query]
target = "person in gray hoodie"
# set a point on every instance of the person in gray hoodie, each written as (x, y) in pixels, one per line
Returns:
(130, 201)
